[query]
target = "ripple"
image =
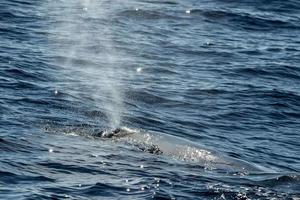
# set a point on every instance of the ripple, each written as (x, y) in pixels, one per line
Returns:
(244, 20)
(11, 178)
(142, 14)
(220, 76)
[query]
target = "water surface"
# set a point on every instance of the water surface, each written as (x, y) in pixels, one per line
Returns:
(215, 76)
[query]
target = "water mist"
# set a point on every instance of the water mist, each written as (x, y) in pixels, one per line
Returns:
(84, 35)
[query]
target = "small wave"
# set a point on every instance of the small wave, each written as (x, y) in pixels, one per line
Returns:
(15, 146)
(281, 181)
(102, 189)
(286, 72)
(244, 20)
(281, 96)
(159, 2)
(142, 14)
(12, 178)
(147, 97)
(20, 3)
(161, 70)
(24, 74)
(144, 121)
(16, 34)
(10, 16)
(70, 168)
(212, 91)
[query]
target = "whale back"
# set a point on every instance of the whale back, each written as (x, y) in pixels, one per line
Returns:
(179, 149)
(169, 146)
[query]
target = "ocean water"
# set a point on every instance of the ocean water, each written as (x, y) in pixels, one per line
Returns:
(206, 95)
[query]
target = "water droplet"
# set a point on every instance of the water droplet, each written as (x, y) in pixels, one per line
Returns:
(142, 188)
(126, 180)
(55, 92)
(128, 189)
(139, 69)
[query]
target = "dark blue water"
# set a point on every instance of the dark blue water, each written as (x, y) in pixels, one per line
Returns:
(215, 83)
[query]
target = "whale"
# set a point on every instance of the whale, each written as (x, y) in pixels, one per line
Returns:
(168, 146)
(178, 149)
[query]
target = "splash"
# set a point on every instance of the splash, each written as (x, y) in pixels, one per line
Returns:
(83, 33)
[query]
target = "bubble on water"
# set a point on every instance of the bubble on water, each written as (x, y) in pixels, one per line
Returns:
(126, 180)
(136, 9)
(188, 11)
(55, 92)
(141, 166)
(85, 9)
(139, 69)
(128, 189)
(50, 150)
(142, 188)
